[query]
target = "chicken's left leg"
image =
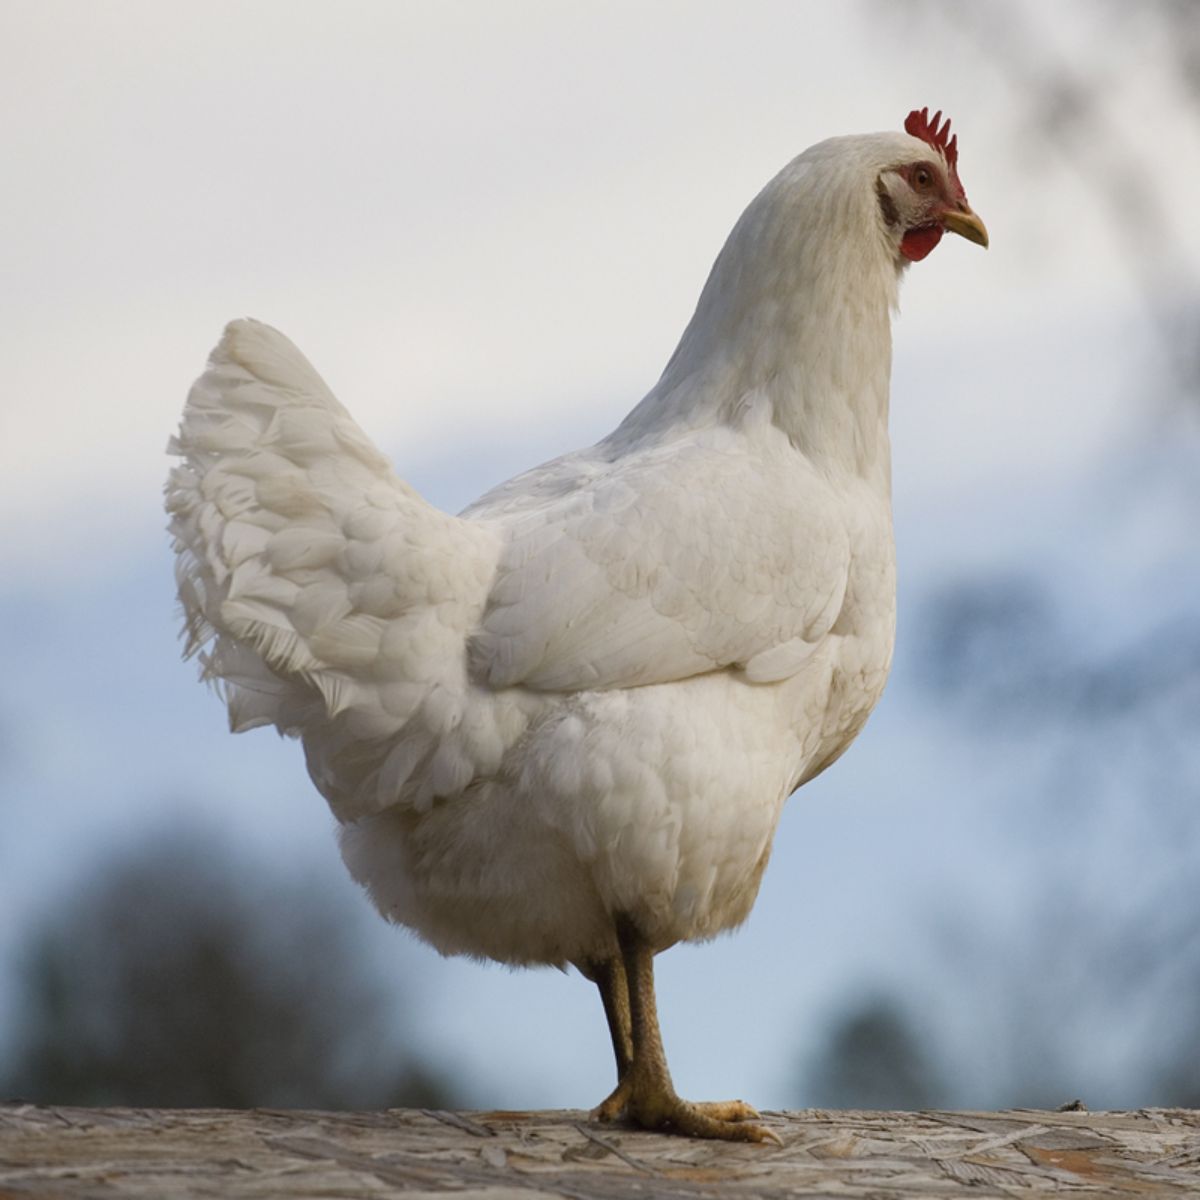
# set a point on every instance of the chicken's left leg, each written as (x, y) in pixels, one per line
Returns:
(650, 1098)
(609, 976)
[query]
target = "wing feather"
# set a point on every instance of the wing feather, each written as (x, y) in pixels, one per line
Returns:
(698, 555)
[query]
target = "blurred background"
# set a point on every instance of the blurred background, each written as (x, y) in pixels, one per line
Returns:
(487, 224)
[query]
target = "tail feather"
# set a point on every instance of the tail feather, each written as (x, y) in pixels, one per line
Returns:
(313, 581)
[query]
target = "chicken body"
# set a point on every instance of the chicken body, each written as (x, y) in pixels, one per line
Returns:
(560, 727)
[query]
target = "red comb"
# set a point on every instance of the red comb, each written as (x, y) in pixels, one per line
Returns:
(920, 126)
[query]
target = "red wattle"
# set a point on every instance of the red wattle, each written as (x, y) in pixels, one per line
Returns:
(917, 243)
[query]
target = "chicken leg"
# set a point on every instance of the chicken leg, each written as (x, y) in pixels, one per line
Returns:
(609, 976)
(644, 1093)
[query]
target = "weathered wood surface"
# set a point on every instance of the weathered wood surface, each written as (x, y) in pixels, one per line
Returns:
(80, 1152)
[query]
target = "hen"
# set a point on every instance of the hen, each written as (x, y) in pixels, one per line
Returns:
(560, 727)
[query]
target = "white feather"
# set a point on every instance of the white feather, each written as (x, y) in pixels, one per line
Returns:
(591, 693)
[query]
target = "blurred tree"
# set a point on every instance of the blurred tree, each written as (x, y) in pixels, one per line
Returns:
(1075, 685)
(182, 975)
(874, 1057)
(1065, 108)
(1178, 1071)
(1087, 984)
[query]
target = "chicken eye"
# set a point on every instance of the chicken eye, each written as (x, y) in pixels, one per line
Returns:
(923, 177)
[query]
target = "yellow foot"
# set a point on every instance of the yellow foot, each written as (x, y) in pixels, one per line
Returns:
(727, 1120)
(701, 1118)
(727, 1110)
(612, 1107)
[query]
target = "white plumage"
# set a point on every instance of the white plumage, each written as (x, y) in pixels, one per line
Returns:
(560, 727)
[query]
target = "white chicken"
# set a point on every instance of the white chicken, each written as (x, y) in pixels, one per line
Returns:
(560, 727)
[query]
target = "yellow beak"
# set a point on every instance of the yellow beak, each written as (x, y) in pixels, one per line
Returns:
(966, 224)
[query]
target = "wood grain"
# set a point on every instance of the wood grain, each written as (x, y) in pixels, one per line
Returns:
(264, 1153)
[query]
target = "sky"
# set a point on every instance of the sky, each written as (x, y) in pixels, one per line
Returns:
(486, 225)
